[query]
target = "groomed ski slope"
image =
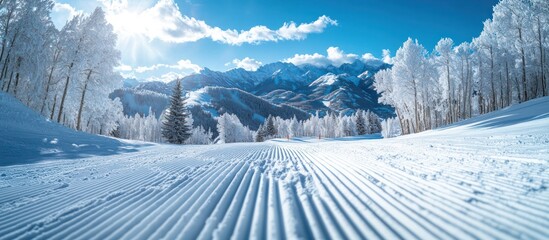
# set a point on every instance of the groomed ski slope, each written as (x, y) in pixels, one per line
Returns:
(483, 178)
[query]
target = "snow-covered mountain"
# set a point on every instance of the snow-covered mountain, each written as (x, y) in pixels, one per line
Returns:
(210, 102)
(135, 100)
(305, 87)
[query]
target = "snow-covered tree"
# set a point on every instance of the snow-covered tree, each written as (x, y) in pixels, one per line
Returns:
(65, 75)
(360, 122)
(175, 128)
(231, 130)
(26, 42)
(270, 127)
(444, 57)
(200, 136)
(294, 127)
(100, 58)
(282, 127)
(329, 126)
(260, 134)
(374, 123)
(147, 128)
(506, 63)
(71, 40)
(390, 128)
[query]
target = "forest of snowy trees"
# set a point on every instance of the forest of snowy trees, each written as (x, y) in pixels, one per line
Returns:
(505, 64)
(231, 129)
(330, 126)
(66, 74)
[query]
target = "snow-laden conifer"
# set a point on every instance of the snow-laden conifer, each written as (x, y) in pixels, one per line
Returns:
(175, 129)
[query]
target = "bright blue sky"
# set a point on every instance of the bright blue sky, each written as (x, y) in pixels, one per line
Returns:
(175, 38)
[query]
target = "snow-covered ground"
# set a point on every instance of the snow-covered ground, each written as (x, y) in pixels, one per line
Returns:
(26, 137)
(482, 178)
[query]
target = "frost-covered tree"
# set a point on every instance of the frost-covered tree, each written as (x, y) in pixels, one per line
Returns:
(407, 76)
(282, 127)
(71, 40)
(390, 128)
(65, 75)
(270, 127)
(52, 78)
(374, 123)
(100, 57)
(506, 63)
(330, 126)
(141, 128)
(294, 127)
(200, 136)
(231, 130)
(444, 57)
(513, 18)
(103, 119)
(360, 122)
(175, 128)
(260, 134)
(25, 44)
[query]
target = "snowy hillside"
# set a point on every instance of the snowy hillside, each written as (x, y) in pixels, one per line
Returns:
(483, 178)
(27, 137)
(250, 109)
(140, 101)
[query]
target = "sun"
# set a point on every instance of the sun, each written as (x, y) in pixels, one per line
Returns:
(127, 24)
(131, 28)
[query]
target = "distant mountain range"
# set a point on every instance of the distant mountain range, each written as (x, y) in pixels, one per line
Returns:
(280, 88)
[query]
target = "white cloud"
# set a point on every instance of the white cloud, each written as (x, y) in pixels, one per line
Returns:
(168, 77)
(159, 72)
(114, 5)
(123, 68)
(293, 32)
(164, 21)
(248, 64)
(183, 65)
(368, 57)
(61, 13)
(257, 34)
(338, 57)
(335, 57)
(387, 56)
(315, 59)
(130, 75)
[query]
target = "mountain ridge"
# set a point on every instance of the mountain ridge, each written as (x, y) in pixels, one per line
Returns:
(310, 88)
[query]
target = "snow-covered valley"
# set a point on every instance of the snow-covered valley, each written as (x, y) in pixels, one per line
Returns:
(486, 177)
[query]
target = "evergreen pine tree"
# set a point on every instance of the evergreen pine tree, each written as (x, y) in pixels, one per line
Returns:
(360, 123)
(116, 132)
(260, 134)
(374, 124)
(175, 129)
(271, 129)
